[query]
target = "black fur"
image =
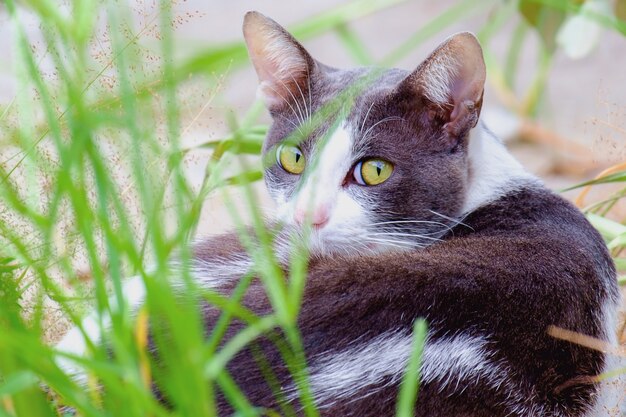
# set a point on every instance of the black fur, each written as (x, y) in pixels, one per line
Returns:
(519, 265)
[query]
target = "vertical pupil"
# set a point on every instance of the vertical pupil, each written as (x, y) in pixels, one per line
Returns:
(297, 156)
(378, 169)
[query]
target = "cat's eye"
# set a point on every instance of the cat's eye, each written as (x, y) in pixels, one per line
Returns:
(291, 159)
(372, 171)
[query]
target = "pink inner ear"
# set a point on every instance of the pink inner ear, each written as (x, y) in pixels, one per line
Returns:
(465, 98)
(454, 72)
(279, 60)
(454, 75)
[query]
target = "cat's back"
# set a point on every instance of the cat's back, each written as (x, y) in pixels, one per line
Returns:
(548, 229)
(495, 291)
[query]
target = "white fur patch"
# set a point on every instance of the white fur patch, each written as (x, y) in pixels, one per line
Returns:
(452, 362)
(211, 273)
(493, 170)
(611, 399)
(347, 220)
(439, 82)
(282, 52)
(74, 342)
(330, 166)
(206, 273)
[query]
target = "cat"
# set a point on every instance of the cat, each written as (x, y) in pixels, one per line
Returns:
(413, 209)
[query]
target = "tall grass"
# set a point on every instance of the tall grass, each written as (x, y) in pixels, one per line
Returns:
(94, 189)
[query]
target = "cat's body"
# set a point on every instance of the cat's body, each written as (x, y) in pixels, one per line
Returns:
(489, 291)
(417, 211)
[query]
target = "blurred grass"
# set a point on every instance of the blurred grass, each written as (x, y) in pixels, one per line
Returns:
(93, 189)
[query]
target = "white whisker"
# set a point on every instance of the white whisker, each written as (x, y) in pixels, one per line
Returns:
(366, 116)
(393, 241)
(295, 101)
(407, 221)
(295, 126)
(305, 116)
(308, 81)
(455, 221)
(392, 244)
(287, 101)
(386, 119)
(402, 229)
(417, 236)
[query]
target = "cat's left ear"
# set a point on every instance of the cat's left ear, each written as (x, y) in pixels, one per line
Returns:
(283, 66)
(451, 80)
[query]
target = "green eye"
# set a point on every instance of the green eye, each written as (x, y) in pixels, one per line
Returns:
(291, 159)
(372, 171)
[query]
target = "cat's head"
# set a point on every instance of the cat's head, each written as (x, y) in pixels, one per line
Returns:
(388, 167)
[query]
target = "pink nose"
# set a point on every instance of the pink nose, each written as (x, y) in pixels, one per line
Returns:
(319, 217)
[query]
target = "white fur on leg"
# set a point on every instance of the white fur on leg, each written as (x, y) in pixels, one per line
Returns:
(611, 400)
(207, 274)
(94, 324)
(452, 362)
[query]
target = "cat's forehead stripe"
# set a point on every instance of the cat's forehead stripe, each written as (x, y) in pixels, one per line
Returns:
(336, 150)
(333, 161)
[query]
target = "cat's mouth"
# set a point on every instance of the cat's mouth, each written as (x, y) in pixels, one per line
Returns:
(346, 230)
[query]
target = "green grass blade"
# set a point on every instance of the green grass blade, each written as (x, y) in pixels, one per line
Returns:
(353, 45)
(410, 382)
(462, 9)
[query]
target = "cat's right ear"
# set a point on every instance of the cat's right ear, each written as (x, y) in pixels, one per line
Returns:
(281, 63)
(450, 83)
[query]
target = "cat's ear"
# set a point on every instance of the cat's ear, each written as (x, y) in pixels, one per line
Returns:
(281, 63)
(451, 80)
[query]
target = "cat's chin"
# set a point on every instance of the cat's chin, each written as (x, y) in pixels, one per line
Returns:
(346, 241)
(332, 243)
